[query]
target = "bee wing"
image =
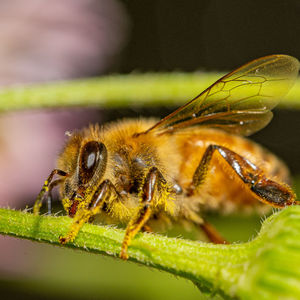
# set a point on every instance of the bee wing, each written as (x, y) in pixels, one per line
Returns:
(240, 102)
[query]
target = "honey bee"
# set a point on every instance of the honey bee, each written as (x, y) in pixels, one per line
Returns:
(145, 172)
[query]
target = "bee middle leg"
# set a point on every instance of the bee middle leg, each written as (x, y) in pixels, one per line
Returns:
(152, 182)
(103, 194)
(261, 187)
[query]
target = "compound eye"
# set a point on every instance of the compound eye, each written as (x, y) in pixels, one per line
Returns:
(93, 155)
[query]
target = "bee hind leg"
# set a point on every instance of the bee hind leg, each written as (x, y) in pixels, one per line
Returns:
(212, 234)
(208, 229)
(261, 187)
(151, 184)
(49, 184)
(102, 195)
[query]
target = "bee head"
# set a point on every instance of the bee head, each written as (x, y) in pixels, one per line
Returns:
(85, 163)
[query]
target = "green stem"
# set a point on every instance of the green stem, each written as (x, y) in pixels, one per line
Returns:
(119, 91)
(253, 270)
(265, 268)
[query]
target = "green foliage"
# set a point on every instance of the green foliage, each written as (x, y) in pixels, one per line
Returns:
(264, 268)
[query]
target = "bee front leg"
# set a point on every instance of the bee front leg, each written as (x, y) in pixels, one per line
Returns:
(261, 187)
(103, 194)
(47, 187)
(53, 184)
(151, 184)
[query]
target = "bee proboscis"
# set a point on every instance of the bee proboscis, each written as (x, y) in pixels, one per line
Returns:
(143, 172)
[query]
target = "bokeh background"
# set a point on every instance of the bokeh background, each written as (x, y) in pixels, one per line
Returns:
(43, 41)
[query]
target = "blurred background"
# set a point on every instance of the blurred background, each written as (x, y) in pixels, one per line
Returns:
(66, 39)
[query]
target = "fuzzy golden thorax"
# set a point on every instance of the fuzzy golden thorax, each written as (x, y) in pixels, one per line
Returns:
(129, 158)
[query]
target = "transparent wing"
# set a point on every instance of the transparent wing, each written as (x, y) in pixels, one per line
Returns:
(240, 102)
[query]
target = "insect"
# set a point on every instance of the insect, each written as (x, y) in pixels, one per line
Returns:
(143, 172)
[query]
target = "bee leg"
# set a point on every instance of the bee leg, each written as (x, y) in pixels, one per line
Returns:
(147, 228)
(212, 234)
(152, 180)
(45, 189)
(53, 184)
(208, 229)
(102, 194)
(262, 188)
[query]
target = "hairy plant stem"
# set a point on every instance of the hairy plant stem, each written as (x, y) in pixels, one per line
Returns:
(246, 270)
